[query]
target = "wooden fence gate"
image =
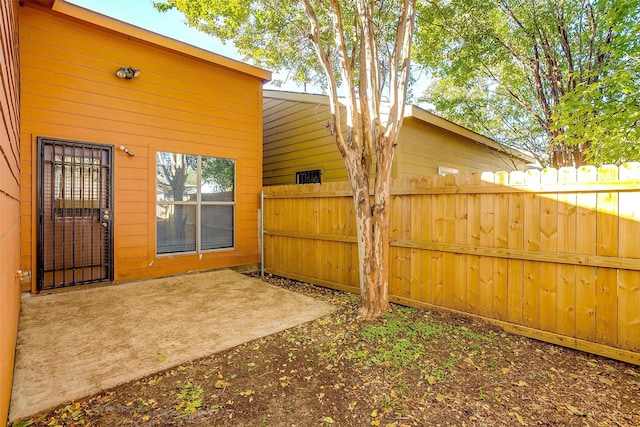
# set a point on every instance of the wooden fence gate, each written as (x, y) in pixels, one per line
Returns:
(553, 255)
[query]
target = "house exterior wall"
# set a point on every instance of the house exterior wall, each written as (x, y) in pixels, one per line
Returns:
(180, 103)
(9, 197)
(296, 139)
(423, 147)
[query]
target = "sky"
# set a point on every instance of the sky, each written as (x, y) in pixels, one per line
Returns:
(141, 13)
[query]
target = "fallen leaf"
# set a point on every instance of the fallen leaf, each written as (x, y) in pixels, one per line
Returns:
(518, 417)
(521, 384)
(374, 413)
(505, 370)
(471, 362)
(161, 358)
(606, 381)
(440, 398)
(632, 373)
(575, 411)
(328, 420)
(222, 384)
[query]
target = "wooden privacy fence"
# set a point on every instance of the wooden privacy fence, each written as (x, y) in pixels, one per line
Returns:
(554, 255)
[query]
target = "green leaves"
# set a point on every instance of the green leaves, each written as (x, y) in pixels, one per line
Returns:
(604, 116)
(530, 74)
(189, 398)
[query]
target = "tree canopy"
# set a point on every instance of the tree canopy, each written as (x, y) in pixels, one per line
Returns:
(557, 78)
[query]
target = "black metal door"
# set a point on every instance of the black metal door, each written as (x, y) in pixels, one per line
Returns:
(75, 233)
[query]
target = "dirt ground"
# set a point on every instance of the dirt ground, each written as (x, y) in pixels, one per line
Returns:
(411, 368)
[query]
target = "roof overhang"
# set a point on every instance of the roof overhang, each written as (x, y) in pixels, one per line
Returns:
(133, 32)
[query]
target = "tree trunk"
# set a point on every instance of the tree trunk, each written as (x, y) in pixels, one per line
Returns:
(372, 225)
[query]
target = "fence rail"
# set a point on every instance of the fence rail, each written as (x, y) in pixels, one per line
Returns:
(554, 255)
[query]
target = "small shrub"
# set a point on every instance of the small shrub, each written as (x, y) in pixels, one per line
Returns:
(189, 398)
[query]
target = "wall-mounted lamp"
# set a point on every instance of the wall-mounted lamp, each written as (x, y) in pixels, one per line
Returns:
(126, 150)
(127, 73)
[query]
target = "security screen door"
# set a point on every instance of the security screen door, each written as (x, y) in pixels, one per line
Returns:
(75, 233)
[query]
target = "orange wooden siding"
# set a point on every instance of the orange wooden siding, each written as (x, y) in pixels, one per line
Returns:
(180, 103)
(9, 196)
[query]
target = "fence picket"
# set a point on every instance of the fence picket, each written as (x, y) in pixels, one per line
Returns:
(566, 274)
(426, 236)
(450, 275)
(629, 281)
(416, 279)
(461, 204)
(473, 239)
(500, 238)
(405, 234)
(586, 242)
(515, 240)
(487, 206)
(532, 242)
(607, 235)
(395, 263)
(548, 243)
(437, 232)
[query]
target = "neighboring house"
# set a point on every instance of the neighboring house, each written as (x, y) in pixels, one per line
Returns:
(299, 149)
(126, 155)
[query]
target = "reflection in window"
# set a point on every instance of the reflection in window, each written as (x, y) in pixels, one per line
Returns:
(195, 203)
(77, 185)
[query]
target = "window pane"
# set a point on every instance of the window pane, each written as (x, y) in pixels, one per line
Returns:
(176, 177)
(176, 228)
(217, 227)
(218, 177)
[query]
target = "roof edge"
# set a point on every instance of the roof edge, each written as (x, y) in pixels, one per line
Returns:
(132, 31)
(313, 98)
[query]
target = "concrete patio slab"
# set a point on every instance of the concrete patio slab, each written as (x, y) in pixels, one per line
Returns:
(77, 343)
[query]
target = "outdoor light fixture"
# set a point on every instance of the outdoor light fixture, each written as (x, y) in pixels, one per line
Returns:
(126, 150)
(127, 73)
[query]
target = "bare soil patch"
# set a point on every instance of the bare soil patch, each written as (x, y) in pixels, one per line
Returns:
(411, 368)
